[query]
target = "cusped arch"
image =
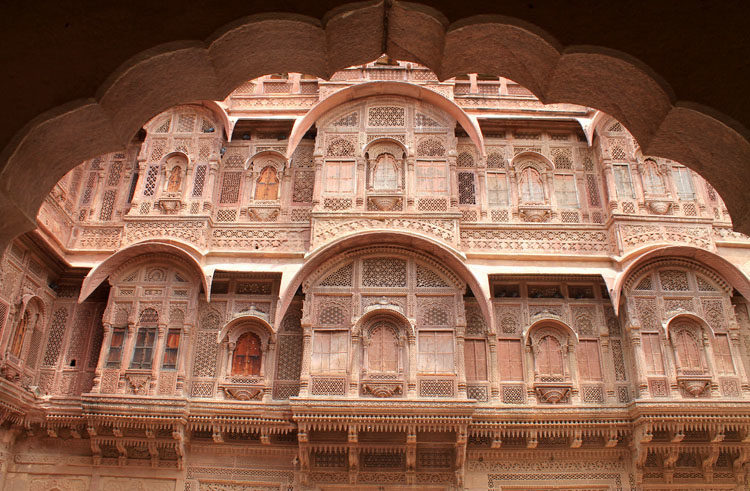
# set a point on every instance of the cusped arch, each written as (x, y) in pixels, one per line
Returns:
(394, 313)
(725, 272)
(449, 257)
(690, 317)
(107, 267)
(302, 125)
(529, 158)
(541, 324)
(245, 322)
(275, 158)
(174, 73)
(384, 140)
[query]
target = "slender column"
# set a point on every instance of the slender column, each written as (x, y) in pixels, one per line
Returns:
(494, 376)
(158, 355)
(608, 368)
(572, 367)
(453, 180)
(138, 193)
(355, 363)
(106, 340)
(317, 201)
(304, 378)
(412, 372)
(128, 345)
(672, 363)
(183, 359)
(269, 369)
(359, 184)
(411, 183)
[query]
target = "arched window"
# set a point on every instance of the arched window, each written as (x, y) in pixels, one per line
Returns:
(385, 175)
(531, 187)
(247, 355)
(652, 180)
(267, 186)
(688, 351)
(18, 336)
(549, 358)
(382, 352)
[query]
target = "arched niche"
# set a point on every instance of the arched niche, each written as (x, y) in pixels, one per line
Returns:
(551, 345)
(246, 356)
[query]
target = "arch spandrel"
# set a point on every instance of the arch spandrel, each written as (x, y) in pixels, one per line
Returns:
(448, 257)
(110, 265)
(360, 91)
(727, 273)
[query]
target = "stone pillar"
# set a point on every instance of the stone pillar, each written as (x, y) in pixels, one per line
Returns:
(183, 359)
(286, 190)
(452, 180)
(304, 378)
(569, 347)
(411, 184)
(609, 181)
(670, 360)
(411, 378)
(103, 351)
(528, 352)
(355, 363)
(269, 369)
(639, 357)
(735, 349)
(461, 371)
(158, 356)
(138, 193)
(317, 201)
(494, 376)
(128, 345)
(360, 176)
(608, 368)
(481, 193)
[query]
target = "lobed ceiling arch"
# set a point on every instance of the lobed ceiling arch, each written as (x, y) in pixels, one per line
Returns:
(58, 125)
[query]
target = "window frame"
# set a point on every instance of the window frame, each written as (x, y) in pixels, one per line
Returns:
(142, 334)
(168, 350)
(116, 363)
(328, 179)
(434, 353)
(316, 364)
(421, 178)
(621, 193)
(497, 177)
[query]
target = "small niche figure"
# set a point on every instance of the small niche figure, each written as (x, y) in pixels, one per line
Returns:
(175, 180)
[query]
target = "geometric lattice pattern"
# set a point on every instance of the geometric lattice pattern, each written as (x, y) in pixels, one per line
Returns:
(54, 340)
(384, 272)
(436, 388)
(674, 280)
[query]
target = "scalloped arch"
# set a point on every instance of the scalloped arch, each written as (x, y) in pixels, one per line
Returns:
(180, 72)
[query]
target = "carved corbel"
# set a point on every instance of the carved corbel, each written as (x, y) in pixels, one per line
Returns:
(497, 440)
(577, 439)
(123, 458)
(532, 441)
(217, 436)
(612, 440)
(708, 464)
(679, 434)
(153, 451)
(669, 462)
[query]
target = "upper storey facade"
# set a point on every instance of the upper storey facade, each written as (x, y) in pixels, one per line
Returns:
(289, 163)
